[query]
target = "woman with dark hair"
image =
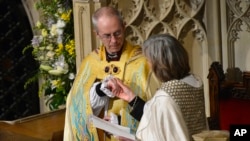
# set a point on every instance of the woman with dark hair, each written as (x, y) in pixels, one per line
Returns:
(177, 110)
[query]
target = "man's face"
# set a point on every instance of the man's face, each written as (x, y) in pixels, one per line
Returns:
(111, 33)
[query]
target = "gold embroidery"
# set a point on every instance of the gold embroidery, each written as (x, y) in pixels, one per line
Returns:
(112, 69)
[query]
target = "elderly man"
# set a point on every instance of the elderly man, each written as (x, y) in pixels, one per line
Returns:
(115, 57)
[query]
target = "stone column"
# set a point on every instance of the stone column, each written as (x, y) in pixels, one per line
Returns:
(85, 39)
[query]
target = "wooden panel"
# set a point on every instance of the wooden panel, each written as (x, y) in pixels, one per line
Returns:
(42, 127)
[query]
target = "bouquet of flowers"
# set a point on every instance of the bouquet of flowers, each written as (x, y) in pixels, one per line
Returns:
(53, 47)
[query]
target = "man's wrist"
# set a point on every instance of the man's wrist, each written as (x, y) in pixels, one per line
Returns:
(99, 91)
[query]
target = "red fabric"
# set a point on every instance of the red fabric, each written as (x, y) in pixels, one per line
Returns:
(234, 111)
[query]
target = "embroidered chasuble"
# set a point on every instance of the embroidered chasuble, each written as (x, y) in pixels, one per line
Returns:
(132, 69)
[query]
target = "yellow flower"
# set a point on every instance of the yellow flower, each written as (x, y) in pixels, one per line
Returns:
(59, 50)
(38, 24)
(70, 47)
(44, 32)
(71, 52)
(56, 83)
(66, 15)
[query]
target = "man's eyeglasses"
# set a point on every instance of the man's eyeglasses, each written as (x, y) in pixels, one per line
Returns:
(107, 37)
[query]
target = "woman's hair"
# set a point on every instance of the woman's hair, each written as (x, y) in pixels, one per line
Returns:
(106, 11)
(168, 58)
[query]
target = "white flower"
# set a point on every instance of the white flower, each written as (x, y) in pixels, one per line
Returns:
(60, 10)
(60, 66)
(49, 47)
(41, 58)
(71, 76)
(66, 68)
(59, 31)
(53, 30)
(50, 54)
(59, 39)
(58, 71)
(60, 24)
(60, 61)
(45, 67)
(35, 41)
(42, 48)
(50, 21)
(55, 72)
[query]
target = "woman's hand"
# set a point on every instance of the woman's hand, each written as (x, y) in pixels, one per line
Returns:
(121, 90)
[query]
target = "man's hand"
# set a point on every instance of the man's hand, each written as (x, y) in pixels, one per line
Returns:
(109, 86)
(121, 90)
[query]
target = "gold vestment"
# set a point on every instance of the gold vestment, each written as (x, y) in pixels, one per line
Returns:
(132, 69)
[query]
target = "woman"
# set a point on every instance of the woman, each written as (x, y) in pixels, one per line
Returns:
(177, 110)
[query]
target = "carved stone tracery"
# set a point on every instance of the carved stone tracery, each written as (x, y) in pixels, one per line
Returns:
(238, 14)
(161, 16)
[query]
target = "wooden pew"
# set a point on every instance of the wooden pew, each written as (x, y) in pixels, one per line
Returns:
(223, 90)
